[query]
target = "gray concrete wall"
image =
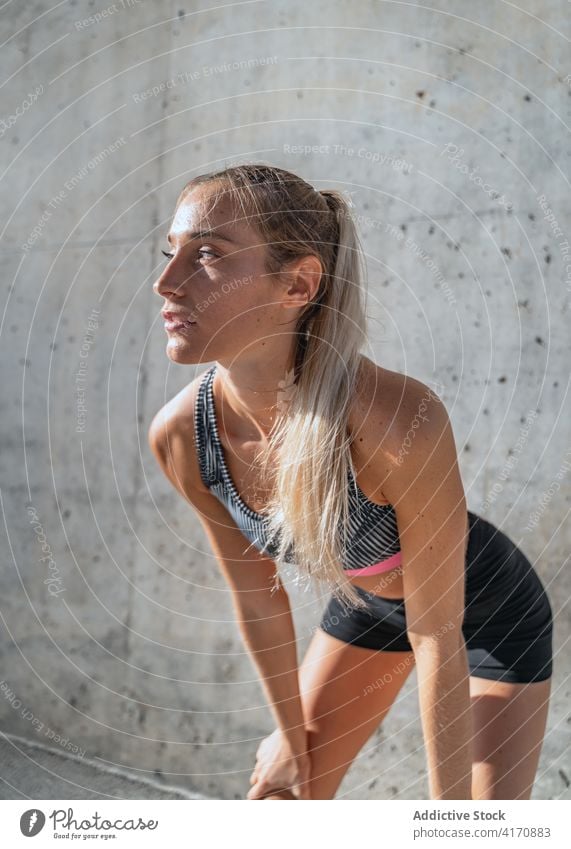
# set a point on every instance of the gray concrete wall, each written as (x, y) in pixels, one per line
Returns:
(121, 643)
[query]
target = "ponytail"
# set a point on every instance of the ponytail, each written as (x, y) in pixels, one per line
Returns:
(310, 495)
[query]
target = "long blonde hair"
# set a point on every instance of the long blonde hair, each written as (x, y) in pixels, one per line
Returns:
(308, 508)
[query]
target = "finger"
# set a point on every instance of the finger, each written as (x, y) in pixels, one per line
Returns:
(284, 793)
(257, 791)
(302, 791)
(264, 791)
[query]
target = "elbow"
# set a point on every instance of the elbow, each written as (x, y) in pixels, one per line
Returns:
(442, 644)
(254, 606)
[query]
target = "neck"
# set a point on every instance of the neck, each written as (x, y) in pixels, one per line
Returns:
(252, 395)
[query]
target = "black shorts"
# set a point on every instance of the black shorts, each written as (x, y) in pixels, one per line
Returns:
(508, 621)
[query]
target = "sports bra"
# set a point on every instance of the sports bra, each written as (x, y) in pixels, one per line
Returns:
(372, 542)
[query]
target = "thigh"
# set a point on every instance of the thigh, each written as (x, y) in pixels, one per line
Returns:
(508, 725)
(346, 691)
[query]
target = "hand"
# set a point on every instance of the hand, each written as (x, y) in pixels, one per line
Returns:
(280, 766)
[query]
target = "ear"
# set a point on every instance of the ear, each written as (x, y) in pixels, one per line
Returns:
(301, 281)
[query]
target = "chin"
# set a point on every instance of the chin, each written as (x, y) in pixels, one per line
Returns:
(182, 355)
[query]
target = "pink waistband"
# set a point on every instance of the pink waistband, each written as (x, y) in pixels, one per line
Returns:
(377, 568)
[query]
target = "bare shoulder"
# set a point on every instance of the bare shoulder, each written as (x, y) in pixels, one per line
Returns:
(171, 436)
(388, 408)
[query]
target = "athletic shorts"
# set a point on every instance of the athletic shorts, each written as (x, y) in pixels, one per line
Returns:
(508, 621)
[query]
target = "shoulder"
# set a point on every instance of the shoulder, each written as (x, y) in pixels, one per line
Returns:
(171, 437)
(394, 416)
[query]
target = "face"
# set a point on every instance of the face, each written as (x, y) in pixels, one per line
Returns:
(219, 300)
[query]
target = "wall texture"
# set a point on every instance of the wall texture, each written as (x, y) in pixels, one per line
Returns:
(448, 127)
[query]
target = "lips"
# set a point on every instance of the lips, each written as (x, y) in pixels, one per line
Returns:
(177, 320)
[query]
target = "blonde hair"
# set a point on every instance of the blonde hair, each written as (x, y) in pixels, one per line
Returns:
(308, 509)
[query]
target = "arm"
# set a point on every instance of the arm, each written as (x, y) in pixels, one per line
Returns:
(263, 611)
(264, 619)
(425, 487)
(270, 639)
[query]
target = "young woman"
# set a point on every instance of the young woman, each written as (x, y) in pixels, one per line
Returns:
(298, 451)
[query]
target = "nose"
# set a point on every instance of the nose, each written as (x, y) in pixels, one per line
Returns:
(167, 286)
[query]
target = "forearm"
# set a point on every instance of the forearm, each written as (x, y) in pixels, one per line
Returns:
(444, 695)
(269, 635)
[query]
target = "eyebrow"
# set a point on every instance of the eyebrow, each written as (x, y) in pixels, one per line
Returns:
(200, 234)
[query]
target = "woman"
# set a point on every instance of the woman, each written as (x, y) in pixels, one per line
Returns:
(295, 449)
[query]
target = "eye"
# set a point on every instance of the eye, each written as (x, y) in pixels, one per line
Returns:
(200, 252)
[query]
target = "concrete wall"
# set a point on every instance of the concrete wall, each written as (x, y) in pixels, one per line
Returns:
(121, 642)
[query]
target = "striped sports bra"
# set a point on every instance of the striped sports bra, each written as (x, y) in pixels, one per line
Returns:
(372, 544)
